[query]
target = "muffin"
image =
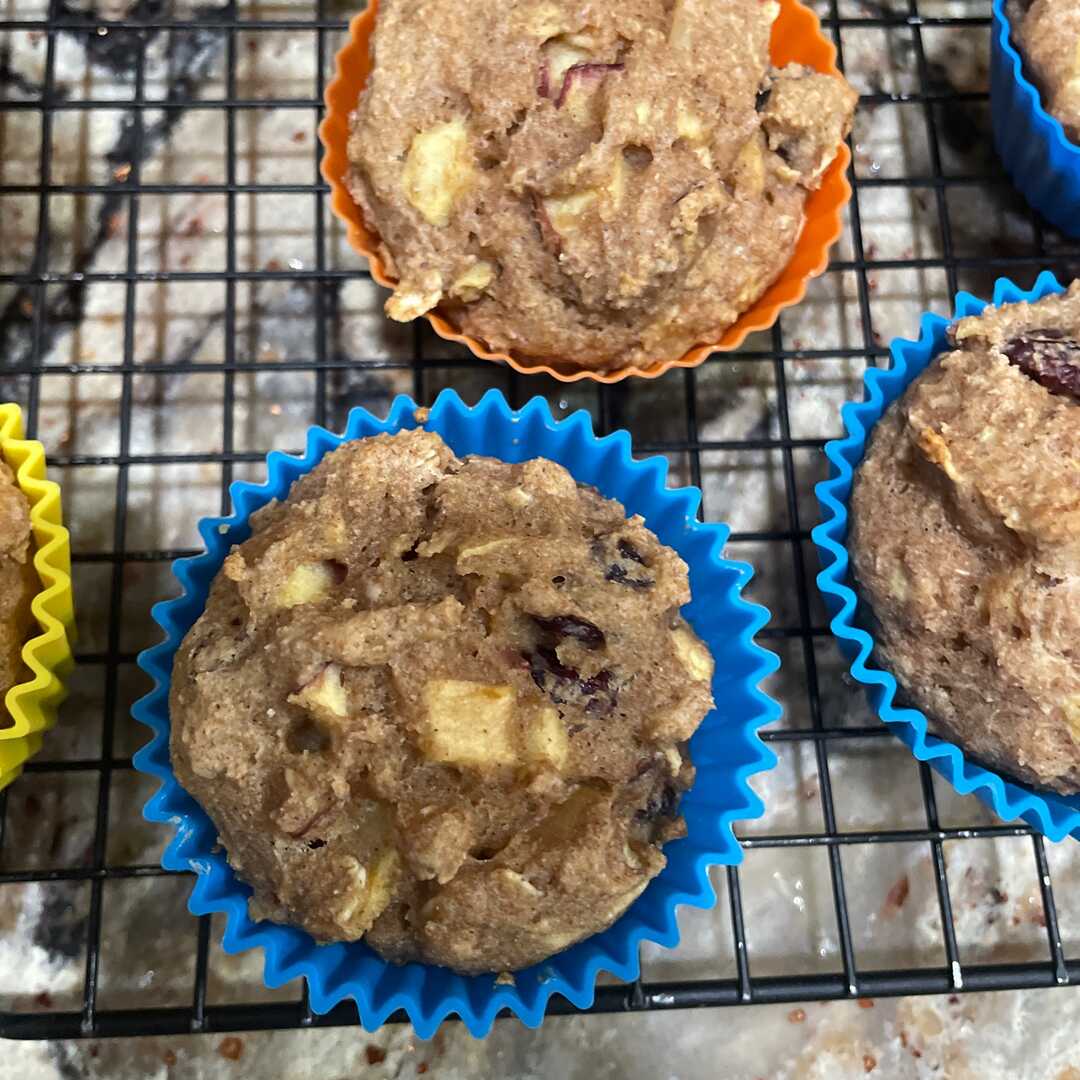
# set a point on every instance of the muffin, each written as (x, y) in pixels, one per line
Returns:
(965, 539)
(18, 581)
(1047, 33)
(441, 704)
(598, 186)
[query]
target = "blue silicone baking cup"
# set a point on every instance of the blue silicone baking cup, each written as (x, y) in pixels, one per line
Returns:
(726, 748)
(1055, 815)
(1041, 159)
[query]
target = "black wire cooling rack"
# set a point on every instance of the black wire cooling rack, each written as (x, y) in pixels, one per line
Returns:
(205, 39)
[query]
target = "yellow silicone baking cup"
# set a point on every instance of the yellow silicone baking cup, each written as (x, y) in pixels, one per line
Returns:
(30, 707)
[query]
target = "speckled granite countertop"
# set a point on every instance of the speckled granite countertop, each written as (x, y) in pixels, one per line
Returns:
(786, 893)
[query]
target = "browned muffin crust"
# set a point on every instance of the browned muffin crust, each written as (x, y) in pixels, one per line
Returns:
(442, 704)
(594, 183)
(966, 539)
(18, 582)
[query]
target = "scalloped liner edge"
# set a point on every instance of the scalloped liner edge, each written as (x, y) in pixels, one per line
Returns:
(1054, 128)
(1052, 186)
(827, 223)
(1050, 813)
(31, 704)
(170, 804)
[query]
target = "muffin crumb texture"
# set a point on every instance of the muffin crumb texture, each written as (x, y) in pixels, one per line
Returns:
(18, 582)
(965, 539)
(1047, 33)
(442, 704)
(596, 184)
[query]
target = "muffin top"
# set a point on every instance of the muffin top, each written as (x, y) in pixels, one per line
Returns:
(966, 538)
(593, 183)
(18, 582)
(1048, 34)
(442, 704)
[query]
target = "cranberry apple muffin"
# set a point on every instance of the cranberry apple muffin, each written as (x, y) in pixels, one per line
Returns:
(965, 539)
(18, 582)
(1047, 33)
(594, 183)
(442, 704)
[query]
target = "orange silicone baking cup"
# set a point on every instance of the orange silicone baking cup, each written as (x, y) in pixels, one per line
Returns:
(796, 38)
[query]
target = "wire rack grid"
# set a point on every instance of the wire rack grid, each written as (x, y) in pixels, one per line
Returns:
(204, 45)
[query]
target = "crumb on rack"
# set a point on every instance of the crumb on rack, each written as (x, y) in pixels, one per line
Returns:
(421, 414)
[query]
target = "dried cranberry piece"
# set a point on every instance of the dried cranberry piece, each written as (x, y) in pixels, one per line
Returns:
(617, 572)
(662, 804)
(598, 683)
(565, 686)
(602, 696)
(623, 568)
(628, 551)
(546, 662)
(600, 705)
(1049, 358)
(570, 626)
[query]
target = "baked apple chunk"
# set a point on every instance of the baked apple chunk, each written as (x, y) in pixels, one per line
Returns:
(479, 726)
(439, 168)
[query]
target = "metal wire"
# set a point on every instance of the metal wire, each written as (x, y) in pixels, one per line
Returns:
(331, 366)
